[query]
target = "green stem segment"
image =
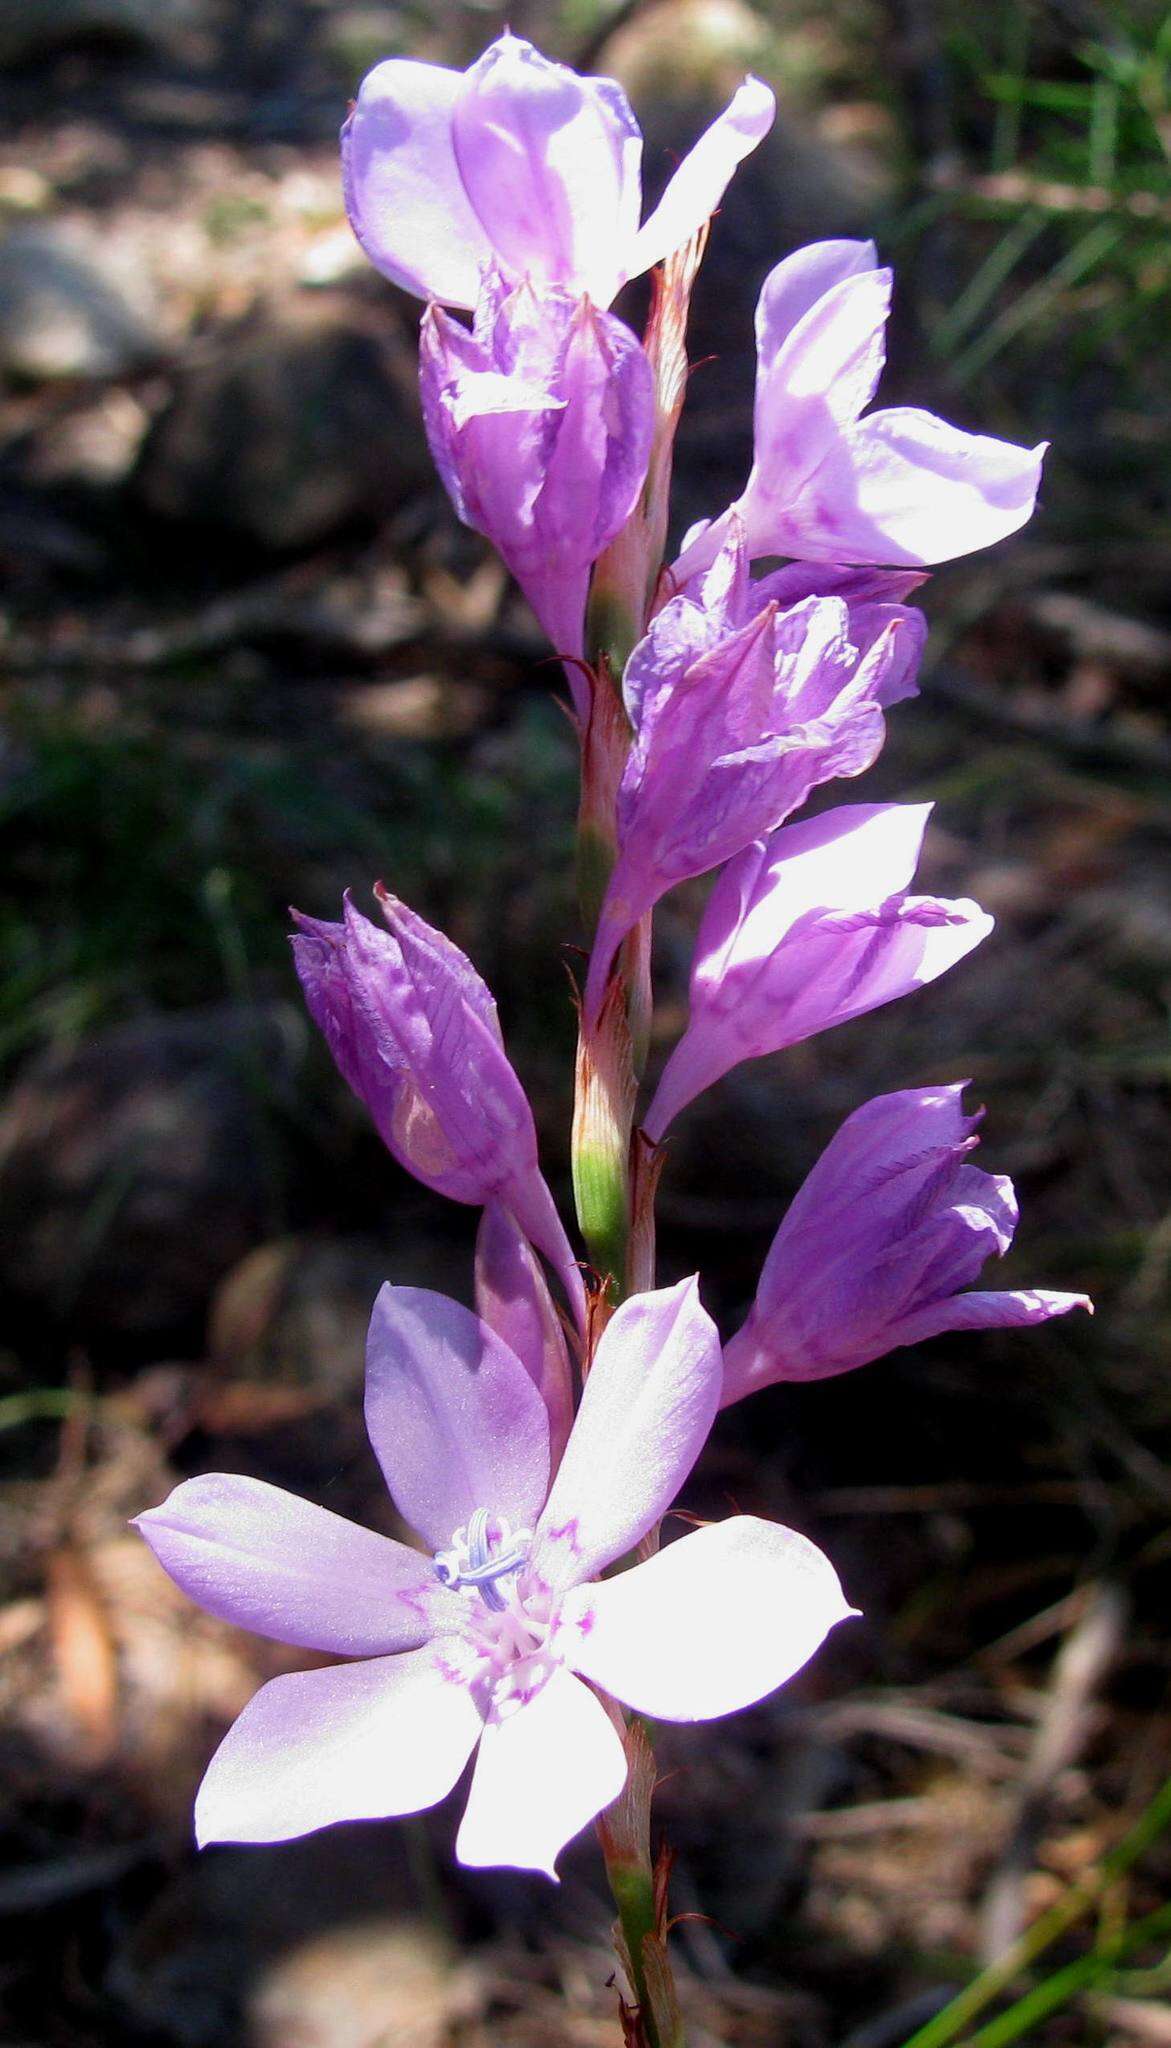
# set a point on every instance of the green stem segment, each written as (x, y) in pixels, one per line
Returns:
(639, 1889)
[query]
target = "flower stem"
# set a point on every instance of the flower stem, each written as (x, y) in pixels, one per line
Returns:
(638, 1886)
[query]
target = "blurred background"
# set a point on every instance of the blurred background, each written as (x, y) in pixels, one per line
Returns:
(249, 659)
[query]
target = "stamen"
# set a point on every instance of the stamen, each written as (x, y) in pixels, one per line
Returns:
(470, 1561)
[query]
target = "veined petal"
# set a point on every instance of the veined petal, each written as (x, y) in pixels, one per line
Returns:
(550, 162)
(455, 1420)
(542, 1774)
(824, 373)
(715, 1621)
(699, 184)
(261, 1558)
(356, 1742)
(403, 191)
(903, 487)
(1015, 1308)
(645, 1412)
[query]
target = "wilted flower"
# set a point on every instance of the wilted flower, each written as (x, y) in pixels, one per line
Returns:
(540, 423)
(899, 486)
(486, 1639)
(414, 1031)
(888, 1228)
(520, 164)
(742, 700)
(805, 930)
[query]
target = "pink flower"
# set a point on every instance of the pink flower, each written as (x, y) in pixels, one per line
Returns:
(521, 165)
(828, 485)
(744, 698)
(482, 1640)
(540, 423)
(805, 930)
(888, 1228)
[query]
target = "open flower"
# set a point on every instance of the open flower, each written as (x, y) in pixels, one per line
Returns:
(414, 1031)
(482, 1642)
(744, 698)
(888, 1228)
(520, 164)
(540, 424)
(806, 929)
(898, 486)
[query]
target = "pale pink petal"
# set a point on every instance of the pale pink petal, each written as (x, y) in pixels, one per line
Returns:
(261, 1558)
(1015, 1308)
(544, 1770)
(794, 286)
(403, 190)
(903, 487)
(455, 1420)
(645, 1412)
(710, 1624)
(355, 1742)
(550, 162)
(701, 180)
(823, 374)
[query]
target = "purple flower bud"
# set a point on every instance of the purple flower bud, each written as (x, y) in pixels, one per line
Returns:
(540, 424)
(414, 1031)
(520, 164)
(739, 709)
(805, 930)
(826, 485)
(889, 1227)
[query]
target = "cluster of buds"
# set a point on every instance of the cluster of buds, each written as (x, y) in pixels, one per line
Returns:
(534, 1444)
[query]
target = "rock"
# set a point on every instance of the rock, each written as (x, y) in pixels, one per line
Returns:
(66, 307)
(296, 426)
(34, 28)
(136, 1169)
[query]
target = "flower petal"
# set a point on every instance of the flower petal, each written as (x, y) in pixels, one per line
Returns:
(699, 184)
(823, 374)
(455, 1420)
(261, 1558)
(807, 929)
(1015, 1308)
(542, 1774)
(514, 1301)
(794, 286)
(355, 1742)
(903, 487)
(550, 162)
(645, 1412)
(403, 190)
(712, 1623)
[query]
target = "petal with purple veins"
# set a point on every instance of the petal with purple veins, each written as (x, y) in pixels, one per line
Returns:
(903, 487)
(550, 162)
